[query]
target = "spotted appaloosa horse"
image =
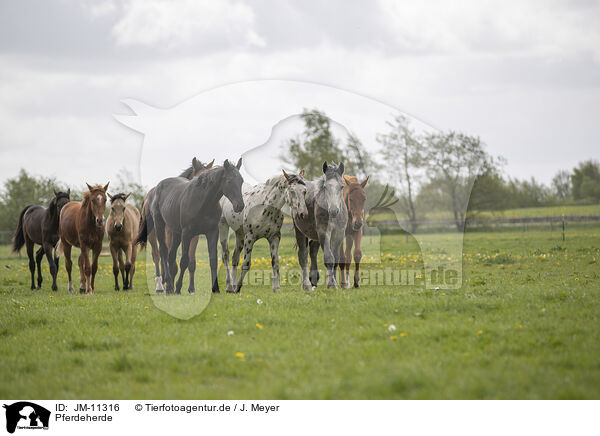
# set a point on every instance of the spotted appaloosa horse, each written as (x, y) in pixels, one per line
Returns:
(122, 226)
(324, 225)
(39, 225)
(354, 198)
(191, 172)
(82, 225)
(261, 217)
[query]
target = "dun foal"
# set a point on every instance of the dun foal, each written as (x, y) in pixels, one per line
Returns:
(82, 225)
(122, 226)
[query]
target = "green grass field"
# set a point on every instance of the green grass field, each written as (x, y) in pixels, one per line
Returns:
(524, 325)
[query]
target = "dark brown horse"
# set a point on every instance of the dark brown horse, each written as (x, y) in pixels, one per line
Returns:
(354, 197)
(189, 174)
(39, 225)
(190, 208)
(82, 225)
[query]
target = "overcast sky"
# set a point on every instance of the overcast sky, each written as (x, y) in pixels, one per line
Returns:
(523, 75)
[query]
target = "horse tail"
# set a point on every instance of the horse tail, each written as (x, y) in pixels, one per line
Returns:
(146, 227)
(19, 237)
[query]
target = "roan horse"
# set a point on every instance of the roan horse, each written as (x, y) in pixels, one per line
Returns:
(82, 225)
(261, 218)
(122, 226)
(354, 198)
(189, 174)
(324, 225)
(190, 208)
(39, 225)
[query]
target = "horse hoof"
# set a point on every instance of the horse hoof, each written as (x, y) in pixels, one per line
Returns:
(218, 292)
(54, 288)
(117, 288)
(192, 292)
(82, 291)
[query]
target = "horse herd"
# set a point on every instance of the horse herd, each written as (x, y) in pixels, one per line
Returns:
(203, 200)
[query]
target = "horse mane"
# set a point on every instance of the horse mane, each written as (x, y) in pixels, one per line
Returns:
(210, 175)
(187, 173)
(350, 179)
(87, 194)
(119, 196)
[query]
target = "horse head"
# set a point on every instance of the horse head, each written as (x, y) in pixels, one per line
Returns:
(117, 210)
(232, 184)
(295, 195)
(330, 195)
(60, 199)
(355, 197)
(95, 199)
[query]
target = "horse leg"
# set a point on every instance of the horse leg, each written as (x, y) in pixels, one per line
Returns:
(357, 258)
(156, 259)
(95, 255)
(121, 265)
(68, 265)
(301, 242)
(185, 259)
(192, 264)
(347, 256)
(172, 259)
(235, 258)
(224, 240)
(159, 230)
(248, 245)
(132, 261)
(115, 259)
(328, 259)
(211, 241)
(85, 270)
(52, 263)
(39, 255)
(313, 247)
(29, 244)
(128, 273)
(274, 246)
(336, 250)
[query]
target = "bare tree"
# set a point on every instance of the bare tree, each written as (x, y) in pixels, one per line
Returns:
(403, 152)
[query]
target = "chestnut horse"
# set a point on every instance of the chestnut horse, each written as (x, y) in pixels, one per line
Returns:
(82, 225)
(354, 197)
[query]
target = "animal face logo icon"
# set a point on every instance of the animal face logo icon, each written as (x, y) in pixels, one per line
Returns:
(26, 415)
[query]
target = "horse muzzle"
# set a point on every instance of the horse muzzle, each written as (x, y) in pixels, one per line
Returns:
(356, 225)
(334, 212)
(118, 227)
(238, 207)
(99, 222)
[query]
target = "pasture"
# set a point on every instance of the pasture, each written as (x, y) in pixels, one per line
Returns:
(524, 325)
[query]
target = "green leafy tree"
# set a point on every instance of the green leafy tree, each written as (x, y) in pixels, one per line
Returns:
(315, 145)
(405, 151)
(585, 181)
(21, 191)
(455, 160)
(561, 185)
(357, 160)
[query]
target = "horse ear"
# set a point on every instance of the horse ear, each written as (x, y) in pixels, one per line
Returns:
(364, 183)
(106, 186)
(109, 196)
(287, 176)
(54, 190)
(325, 167)
(302, 173)
(195, 163)
(341, 168)
(210, 165)
(88, 185)
(69, 192)
(239, 164)
(127, 196)
(226, 164)
(345, 179)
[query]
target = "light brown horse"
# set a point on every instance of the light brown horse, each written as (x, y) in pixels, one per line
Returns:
(193, 171)
(122, 227)
(82, 225)
(354, 197)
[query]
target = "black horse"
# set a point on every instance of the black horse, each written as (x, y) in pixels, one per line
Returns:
(190, 208)
(39, 225)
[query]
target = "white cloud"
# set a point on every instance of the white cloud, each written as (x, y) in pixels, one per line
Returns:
(181, 23)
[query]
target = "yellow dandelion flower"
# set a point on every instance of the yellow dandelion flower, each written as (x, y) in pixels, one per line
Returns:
(403, 334)
(393, 338)
(259, 326)
(479, 332)
(240, 355)
(22, 307)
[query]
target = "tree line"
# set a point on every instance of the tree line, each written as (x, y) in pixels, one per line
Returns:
(435, 172)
